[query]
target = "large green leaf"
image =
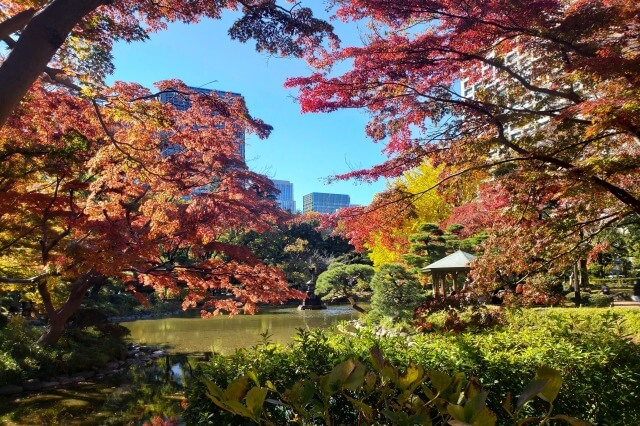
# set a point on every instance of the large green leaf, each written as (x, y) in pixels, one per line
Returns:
(355, 379)
(348, 374)
(457, 412)
(439, 380)
(546, 385)
(238, 408)
(474, 388)
(554, 382)
(484, 417)
(530, 391)
(377, 358)
(253, 376)
(383, 366)
(300, 393)
(214, 390)
(411, 377)
(370, 380)
(237, 389)
(476, 403)
(255, 401)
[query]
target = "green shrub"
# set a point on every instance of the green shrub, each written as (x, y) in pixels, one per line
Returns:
(589, 347)
(10, 370)
(310, 354)
(590, 350)
(455, 313)
(383, 394)
(396, 292)
(4, 320)
(78, 350)
(585, 298)
(601, 300)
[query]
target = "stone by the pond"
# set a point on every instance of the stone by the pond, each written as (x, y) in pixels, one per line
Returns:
(65, 380)
(32, 385)
(85, 374)
(50, 384)
(138, 362)
(10, 389)
(157, 354)
(112, 365)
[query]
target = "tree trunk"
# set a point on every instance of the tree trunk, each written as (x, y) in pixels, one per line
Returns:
(576, 282)
(584, 273)
(55, 330)
(58, 317)
(355, 306)
(38, 42)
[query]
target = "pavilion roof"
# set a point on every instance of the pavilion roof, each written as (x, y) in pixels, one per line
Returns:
(455, 261)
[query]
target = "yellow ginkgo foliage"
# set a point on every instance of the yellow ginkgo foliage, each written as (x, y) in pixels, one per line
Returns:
(423, 205)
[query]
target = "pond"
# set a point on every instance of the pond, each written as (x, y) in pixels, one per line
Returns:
(221, 334)
(156, 389)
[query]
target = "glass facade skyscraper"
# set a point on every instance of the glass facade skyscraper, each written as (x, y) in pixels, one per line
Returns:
(324, 203)
(285, 197)
(181, 102)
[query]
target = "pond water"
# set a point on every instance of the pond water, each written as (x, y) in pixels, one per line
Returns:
(156, 389)
(221, 334)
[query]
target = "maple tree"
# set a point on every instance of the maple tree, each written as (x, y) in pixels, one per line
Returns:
(540, 96)
(125, 190)
(99, 181)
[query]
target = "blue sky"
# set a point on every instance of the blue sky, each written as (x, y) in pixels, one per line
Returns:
(303, 149)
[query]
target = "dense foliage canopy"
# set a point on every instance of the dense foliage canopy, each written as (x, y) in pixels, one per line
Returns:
(539, 96)
(100, 181)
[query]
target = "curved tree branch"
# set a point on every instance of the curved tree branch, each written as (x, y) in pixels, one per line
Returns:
(42, 36)
(16, 22)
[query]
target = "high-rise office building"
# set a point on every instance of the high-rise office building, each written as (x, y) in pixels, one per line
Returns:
(285, 197)
(182, 103)
(494, 83)
(324, 203)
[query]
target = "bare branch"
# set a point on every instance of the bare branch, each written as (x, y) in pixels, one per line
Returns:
(31, 280)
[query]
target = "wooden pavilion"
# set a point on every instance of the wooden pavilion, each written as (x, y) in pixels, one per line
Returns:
(454, 266)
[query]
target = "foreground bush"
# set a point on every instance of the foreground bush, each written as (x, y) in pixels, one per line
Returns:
(591, 349)
(384, 395)
(78, 350)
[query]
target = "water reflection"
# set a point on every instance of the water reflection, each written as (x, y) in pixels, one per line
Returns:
(145, 391)
(224, 335)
